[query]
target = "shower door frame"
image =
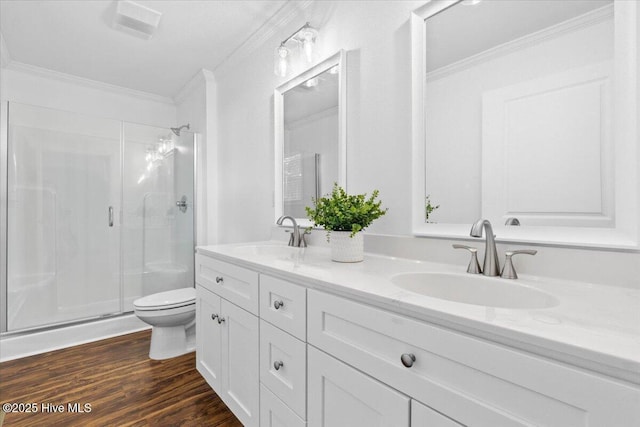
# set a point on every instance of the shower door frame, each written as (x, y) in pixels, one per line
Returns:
(4, 178)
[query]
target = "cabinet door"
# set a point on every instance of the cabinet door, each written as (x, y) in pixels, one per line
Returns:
(274, 413)
(423, 416)
(283, 369)
(343, 397)
(208, 330)
(240, 350)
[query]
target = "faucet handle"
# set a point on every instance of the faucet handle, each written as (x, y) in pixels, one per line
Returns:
(290, 237)
(303, 241)
(508, 271)
(474, 266)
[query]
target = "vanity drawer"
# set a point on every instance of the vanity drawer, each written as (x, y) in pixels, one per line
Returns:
(283, 367)
(472, 380)
(236, 284)
(274, 413)
(284, 304)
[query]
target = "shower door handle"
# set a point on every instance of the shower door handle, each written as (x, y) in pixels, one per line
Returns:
(110, 216)
(182, 204)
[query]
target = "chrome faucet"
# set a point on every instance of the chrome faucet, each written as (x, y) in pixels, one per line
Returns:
(297, 240)
(491, 266)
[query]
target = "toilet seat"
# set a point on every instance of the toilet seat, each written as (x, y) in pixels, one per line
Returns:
(166, 300)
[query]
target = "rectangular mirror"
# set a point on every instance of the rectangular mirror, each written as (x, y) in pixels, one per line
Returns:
(513, 119)
(310, 137)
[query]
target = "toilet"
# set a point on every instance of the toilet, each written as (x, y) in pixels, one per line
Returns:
(172, 315)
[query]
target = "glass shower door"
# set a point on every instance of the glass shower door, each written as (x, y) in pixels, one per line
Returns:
(64, 192)
(158, 238)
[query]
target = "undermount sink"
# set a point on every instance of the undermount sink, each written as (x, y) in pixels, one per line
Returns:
(475, 289)
(268, 250)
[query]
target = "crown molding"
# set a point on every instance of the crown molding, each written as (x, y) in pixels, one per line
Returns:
(5, 56)
(590, 18)
(202, 77)
(274, 25)
(81, 81)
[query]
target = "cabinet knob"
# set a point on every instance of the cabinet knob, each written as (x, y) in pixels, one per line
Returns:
(219, 279)
(220, 320)
(277, 304)
(214, 316)
(407, 359)
(278, 364)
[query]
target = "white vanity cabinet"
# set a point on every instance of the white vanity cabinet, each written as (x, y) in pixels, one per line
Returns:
(313, 358)
(470, 380)
(227, 349)
(283, 352)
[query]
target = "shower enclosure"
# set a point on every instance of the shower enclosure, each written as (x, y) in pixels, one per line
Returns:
(98, 213)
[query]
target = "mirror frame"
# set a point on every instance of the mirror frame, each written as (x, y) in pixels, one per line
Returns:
(338, 59)
(626, 103)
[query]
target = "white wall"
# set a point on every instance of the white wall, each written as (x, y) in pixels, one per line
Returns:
(376, 36)
(196, 105)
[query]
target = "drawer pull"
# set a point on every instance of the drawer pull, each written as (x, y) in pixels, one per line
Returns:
(214, 316)
(220, 279)
(277, 304)
(220, 320)
(278, 364)
(407, 359)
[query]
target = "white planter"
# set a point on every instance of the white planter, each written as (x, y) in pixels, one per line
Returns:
(345, 248)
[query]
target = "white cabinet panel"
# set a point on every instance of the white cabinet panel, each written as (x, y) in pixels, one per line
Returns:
(423, 416)
(284, 304)
(274, 413)
(208, 360)
(341, 396)
(283, 366)
(236, 284)
(480, 382)
(227, 353)
(240, 355)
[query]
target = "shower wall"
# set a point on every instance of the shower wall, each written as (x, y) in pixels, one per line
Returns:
(92, 217)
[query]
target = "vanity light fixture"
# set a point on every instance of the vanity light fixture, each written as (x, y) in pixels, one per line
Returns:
(303, 41)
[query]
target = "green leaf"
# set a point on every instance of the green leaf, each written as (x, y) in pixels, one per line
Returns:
(340, 211)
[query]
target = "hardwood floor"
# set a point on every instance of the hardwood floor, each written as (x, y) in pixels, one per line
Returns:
(120, 383)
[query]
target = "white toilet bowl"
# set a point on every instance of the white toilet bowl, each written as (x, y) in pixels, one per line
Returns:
(172, 315)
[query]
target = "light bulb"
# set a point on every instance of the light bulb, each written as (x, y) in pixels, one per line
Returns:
(311, 82)
(281, 61)
(308, 36)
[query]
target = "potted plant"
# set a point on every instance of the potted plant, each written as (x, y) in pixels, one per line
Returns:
(344, 217)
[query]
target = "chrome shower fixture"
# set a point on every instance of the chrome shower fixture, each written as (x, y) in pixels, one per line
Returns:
(178, 129)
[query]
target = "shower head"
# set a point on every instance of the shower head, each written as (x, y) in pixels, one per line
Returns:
(177, 130)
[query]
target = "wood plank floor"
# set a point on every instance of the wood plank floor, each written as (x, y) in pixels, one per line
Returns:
(118, 380)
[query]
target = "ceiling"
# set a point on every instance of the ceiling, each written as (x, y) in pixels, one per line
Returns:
(78, 38)
(465, 29)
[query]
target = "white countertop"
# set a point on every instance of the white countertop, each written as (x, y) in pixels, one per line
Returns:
(593, 326)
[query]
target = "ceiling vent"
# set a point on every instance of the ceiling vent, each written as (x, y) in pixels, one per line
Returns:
(136, 20)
